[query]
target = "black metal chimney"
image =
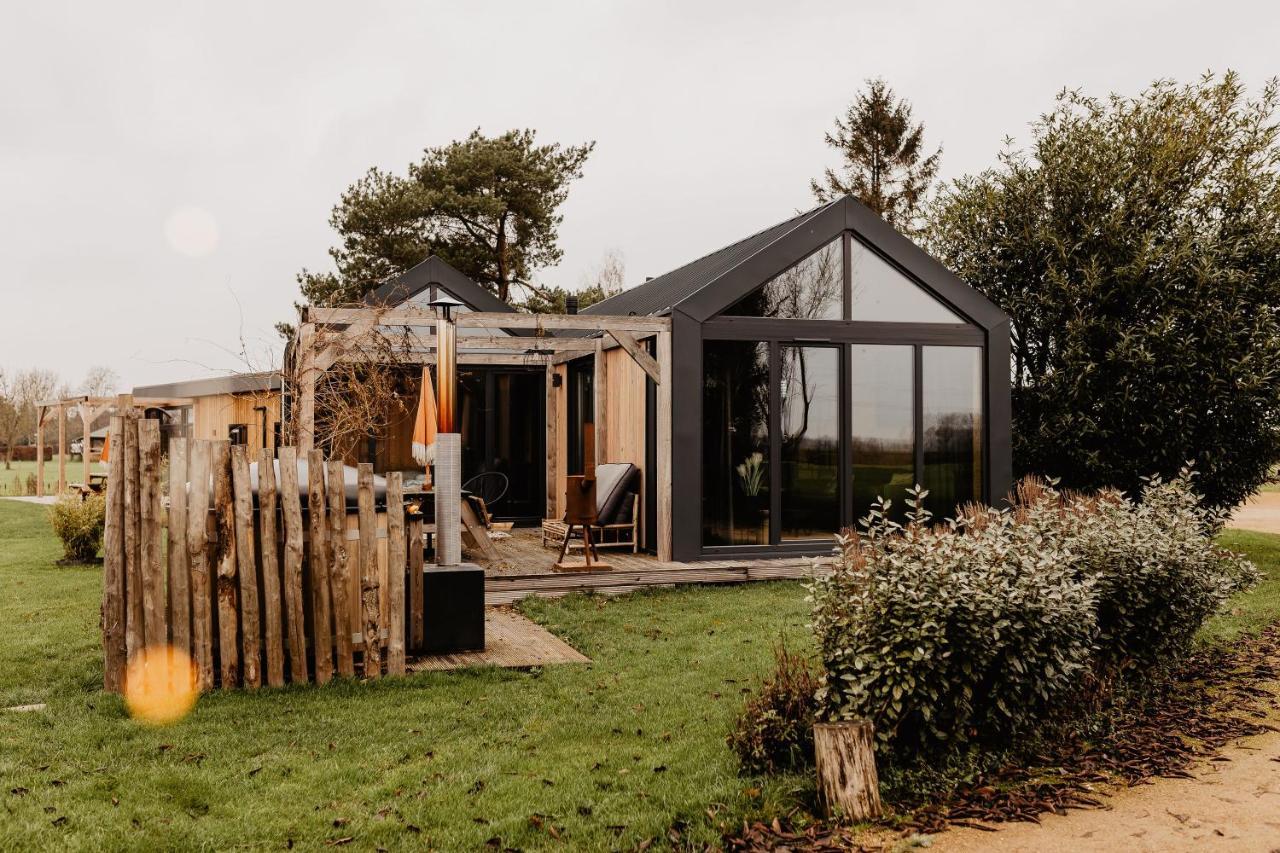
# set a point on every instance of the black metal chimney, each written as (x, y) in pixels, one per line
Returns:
(571, 305)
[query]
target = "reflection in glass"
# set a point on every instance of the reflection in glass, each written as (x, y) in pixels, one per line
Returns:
(810, 384)
(952, 427)
(811, 290)
(882, 294)
(580, 411)
(735, 443)
(882, 416)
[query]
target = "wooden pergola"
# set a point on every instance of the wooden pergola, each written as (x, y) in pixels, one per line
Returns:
(89, 409)
(328, 336)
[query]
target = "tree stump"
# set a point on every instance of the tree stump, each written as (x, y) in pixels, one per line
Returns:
(846, 760)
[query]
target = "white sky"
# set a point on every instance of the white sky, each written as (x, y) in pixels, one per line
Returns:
(166, 169)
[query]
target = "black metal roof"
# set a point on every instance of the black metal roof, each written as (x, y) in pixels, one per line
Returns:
(658, 295)
(434, 270)
(239, 383)
(702, 288)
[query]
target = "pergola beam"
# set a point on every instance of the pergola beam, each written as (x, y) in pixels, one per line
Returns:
(487, 320)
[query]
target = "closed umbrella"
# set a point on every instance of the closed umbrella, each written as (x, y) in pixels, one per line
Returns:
(424, 427)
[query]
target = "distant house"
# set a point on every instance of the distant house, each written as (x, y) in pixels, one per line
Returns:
(243, 408)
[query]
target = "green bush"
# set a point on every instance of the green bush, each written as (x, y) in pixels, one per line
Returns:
(774, 732)
(79, 524)
(973, 632)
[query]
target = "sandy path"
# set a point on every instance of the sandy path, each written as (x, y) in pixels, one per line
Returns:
(1230, 805)
(1262, 512)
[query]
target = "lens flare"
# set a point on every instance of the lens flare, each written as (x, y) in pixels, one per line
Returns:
(160, 685)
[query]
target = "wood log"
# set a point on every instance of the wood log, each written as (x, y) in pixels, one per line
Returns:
(293, 539)
(223, 558)
(417, 626)
(369, 592)
(246, 570)
(114, 653)
(135, 638)
(395, 573)
(321, 595)
(846, 766)
(340, 570)
(154, 596)
(268, 548)
(198, 557)
(179, 558)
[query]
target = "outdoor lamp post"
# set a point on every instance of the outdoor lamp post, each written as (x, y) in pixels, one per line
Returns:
(448, 473)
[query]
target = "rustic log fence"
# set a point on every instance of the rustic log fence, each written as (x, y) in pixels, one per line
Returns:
(285, 585)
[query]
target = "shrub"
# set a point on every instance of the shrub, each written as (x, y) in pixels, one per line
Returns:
(970, 633)
(32, 487)
(774, 732)
(79, 524)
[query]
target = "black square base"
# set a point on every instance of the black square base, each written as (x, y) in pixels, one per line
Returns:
(453, 608)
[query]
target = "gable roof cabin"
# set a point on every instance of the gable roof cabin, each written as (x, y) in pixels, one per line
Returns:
(837, 361)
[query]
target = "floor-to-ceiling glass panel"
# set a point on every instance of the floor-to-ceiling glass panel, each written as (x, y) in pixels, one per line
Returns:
(882, 421)
(811, 290)
(952, 427)
(882, 294)
(735, 448)
(502, 422)
(810, 386)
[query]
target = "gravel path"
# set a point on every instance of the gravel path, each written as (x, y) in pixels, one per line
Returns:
(1262, 513)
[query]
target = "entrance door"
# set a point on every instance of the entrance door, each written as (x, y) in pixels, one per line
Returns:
(502, 417)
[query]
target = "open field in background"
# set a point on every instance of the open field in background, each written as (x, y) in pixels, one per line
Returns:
(20, 470)
(596, 757)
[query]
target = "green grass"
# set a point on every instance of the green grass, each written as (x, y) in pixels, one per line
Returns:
(608, 754)
(1251, 611)
(75, 474)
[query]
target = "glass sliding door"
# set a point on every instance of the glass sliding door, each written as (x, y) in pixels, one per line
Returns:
(952, 378)
(809, 378)
(735, 443)
(882, 419)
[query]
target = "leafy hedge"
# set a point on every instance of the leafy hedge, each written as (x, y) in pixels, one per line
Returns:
(969, 632)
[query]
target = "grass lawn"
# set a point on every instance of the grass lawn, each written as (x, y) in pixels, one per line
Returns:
(602, 756)
(20, 470)
(589, 757)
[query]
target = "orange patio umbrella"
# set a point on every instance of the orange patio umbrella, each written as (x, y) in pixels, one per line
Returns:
(424, 427)
(106, 449)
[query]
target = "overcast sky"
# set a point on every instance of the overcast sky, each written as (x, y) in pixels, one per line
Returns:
(166, 169)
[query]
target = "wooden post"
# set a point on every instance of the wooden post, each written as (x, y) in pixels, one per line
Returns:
(553, 414)
(395, 573)
(41, 411)
(62, 449)
(340, 568)
(246, 569)
(197, 553)
(600, 417)
(305, 427)
(370, 604)
(662, 482)
(293, 536)
(224, 561)
(113, 590)
(135, 638)
(417, 627)
(268, 547)
(154, 598)
(846, 765)
(179, 558)
(321, 596)
(87, 414)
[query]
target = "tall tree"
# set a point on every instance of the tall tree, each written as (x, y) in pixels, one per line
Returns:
(100, 381)
(487, 205)
(882, 158)
(1136, 247)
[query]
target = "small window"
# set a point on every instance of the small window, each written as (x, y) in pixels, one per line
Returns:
(238, 433)
(811, 290)
(882, 294)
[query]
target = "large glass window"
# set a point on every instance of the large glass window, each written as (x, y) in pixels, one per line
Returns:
(810, 385)
(952, 378)
(581, 411)
(811, 290)
(882, 294)
(882, 417)
(735, 443)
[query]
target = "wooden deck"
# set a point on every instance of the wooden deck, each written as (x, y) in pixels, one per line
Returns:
(525, 569)
(512, 642)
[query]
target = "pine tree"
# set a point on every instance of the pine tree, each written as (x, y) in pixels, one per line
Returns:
(882, 158)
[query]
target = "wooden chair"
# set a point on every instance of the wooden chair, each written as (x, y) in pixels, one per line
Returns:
(602, 535)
